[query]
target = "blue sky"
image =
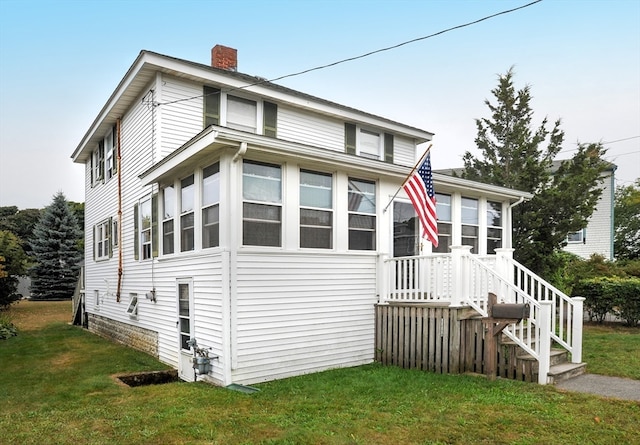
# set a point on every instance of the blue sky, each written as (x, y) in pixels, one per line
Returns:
(60, 61)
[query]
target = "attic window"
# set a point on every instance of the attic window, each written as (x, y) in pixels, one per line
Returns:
(241, 114)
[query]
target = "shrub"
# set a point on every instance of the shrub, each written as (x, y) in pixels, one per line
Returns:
(619, 296)
(7, 329)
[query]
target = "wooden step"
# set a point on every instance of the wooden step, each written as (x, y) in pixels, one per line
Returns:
(565, 371)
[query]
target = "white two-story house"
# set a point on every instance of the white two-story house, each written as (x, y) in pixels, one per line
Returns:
(258, 220)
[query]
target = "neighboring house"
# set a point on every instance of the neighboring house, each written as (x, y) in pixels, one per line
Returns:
(598, 236)
(253, 218)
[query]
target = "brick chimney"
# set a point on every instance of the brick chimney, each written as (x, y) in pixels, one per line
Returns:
(224, 57)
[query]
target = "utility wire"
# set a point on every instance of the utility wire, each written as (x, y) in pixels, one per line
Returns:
(351, 59)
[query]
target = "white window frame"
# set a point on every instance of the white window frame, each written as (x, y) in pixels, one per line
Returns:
(146, 233)
(168, 216)
(366, 150)
(475, 225)
(213, 203)
(97, 164)
(273, 202)
(237, 116)
(327, 210)
(493, 227)
(110, 154)
(576, 237)
(443, 247)
(358, 212)
(102, 242)
(187, 208)
(132, 308)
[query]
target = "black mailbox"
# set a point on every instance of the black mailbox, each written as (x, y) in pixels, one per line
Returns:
(510, 311)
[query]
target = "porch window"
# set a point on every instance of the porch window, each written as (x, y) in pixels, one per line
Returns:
(262, 204)
(494, 226)
(405, 229)
(470, 223)
(443, 210)
(362, 214)
(101, 238)
(316, 210)
(241, 114)
(210, 205)
(168, 208)
(211, 105)
(186, 214)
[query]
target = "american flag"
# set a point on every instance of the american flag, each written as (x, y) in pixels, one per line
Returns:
(419, 188)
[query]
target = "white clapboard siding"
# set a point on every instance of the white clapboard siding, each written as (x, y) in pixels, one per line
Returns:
(180, 120)
(299, 313)
(404, 151)
(599, 231)
(312, 129)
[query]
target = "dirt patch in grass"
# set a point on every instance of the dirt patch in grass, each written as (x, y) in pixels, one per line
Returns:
(30, 315)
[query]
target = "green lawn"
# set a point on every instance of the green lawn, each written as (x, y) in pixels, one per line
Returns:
(612, 349)
(56, 387)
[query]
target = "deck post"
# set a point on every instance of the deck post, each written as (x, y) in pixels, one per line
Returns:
(545, 342)
(504, 268)
(576, 333)
(383, 272)
(460, 275)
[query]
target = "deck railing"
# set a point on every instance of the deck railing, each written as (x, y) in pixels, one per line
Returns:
(460, 279)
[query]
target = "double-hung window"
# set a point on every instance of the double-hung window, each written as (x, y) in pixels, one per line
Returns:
(102, 242)
(97, 164)
(211, 105)
(145, 229)
(187, 197)
(368, 143)
(405, 229)
(168, 219)
(576, 237)
(316, 210)
(494, 226)
(262, 204)
(242, 114)
(211, 206)
(362, 214)
(470, 228)
(443, 211)
(111, 161)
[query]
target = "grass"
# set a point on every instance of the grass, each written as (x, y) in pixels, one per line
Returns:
(612, 349)
(56, 387)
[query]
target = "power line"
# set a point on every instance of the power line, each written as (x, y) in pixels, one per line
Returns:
(602, 143)
(351, 59)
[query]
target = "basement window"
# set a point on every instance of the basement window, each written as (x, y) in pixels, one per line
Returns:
(132, 309)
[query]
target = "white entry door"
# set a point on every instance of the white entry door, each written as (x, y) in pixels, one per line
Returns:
(184, 290)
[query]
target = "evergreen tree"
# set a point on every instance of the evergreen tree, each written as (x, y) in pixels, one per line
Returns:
(518, 156)
(627, 222)
(56, 252)
(13, 262)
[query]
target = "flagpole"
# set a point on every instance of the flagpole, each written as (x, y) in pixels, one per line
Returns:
(424, 155)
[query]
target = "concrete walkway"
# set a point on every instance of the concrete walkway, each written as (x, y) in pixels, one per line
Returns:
(617, 387)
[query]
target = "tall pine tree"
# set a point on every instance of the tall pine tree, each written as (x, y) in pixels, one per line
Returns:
(55, 249)
(518, 156)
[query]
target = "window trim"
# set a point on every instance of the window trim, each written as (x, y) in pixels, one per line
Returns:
(373, 215)
(329, 210)
(266, 203)
(132, 308)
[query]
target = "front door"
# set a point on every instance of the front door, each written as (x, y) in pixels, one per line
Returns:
(185, 329)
